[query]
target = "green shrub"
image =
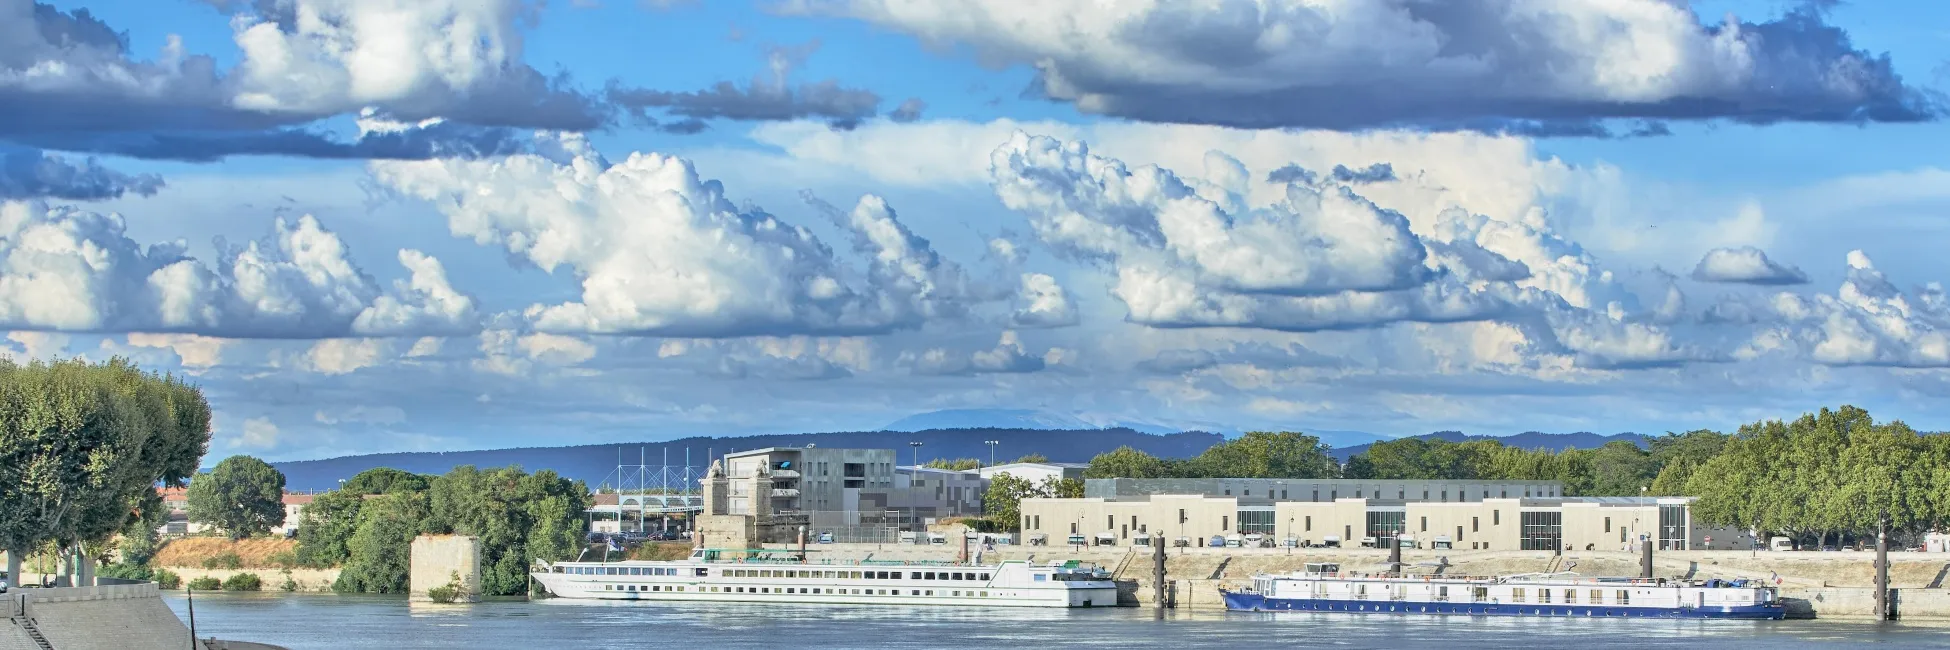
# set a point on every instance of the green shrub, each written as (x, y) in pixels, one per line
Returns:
(126, 572)
(243, 582)
(283, 559)
(226, 560)
(289, 583)
(446, 593)
(206, 583)
(166, 579)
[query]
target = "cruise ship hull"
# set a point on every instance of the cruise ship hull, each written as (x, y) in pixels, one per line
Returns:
(1251, 602)
(994, 597)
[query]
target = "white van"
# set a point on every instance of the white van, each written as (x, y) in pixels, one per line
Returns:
(1780, 544)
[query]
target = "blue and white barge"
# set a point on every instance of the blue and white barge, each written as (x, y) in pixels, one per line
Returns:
(1325, 588)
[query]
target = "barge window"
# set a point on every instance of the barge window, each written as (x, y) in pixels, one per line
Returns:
(914, 575)
(1442, 593)
(1624, 597)
(985, 576)
(1543, 595)
(1480, 594)
(1570, 596)
(1517, 595)
(1597, 597)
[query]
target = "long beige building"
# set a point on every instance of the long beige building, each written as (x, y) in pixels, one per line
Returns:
(1528, 515)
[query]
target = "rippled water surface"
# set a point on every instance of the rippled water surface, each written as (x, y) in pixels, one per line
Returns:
(304, 621)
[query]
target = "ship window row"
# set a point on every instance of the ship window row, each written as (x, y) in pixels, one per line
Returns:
(622, 571)
(855, 575)
(1568, 596)
(642, 588)
(825, 591)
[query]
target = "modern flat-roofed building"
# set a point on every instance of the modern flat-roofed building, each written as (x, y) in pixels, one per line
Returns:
(1494, 523)
(815, 479)
(927, 493)
(1268, 490)
(1036, 472)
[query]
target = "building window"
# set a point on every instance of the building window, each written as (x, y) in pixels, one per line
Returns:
(1445, 496)
(1228, 491)
(1541, 531)
(1256, 521)
(1039, 522)
(1401, 494)
(1459, 536)
(1334, 495)
(1472, 523)
(1310, 523)
(1608, 524)
(1386, 524)
(1672, 527)
(1073, 528)
(1181, 516)
(1225, 522)
(1357, 494)
(1110, 521)
(1282, 494)
(1316, 494)
(1425, 495)
(1425, 525)
(1496, 517)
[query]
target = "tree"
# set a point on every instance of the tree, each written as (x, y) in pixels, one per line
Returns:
(1032, 458)
(385, 480)
(1003, 500)
(1678, 455)
(507, 508)
(1060, 488)
(956, 465)
(1126, 462)
(326, 528)
(379, 553)
(1263, 454)
(242, 496)
(83, 445)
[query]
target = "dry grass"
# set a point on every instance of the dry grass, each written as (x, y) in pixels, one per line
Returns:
(261, 553)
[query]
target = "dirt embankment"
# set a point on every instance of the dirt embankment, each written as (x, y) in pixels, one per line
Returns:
(199, 552)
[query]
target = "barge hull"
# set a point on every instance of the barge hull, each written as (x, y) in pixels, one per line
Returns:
(1248, 602)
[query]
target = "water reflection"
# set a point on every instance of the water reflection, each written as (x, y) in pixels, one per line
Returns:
(304, 621)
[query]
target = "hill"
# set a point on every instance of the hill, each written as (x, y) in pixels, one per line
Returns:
(1049, 420)
(595, 463)
(1525, 440)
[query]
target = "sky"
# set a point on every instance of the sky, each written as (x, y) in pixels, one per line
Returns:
(403, 225)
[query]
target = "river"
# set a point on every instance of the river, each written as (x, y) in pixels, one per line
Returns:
(323, 621)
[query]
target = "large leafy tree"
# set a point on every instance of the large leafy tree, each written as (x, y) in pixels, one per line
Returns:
(82, 446)
(1126, 462)
(242, 496)
(379, 553)
(505, 508)
(1264, 454)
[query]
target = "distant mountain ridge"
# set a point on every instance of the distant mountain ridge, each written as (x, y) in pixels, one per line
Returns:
(1525, 440)
(595, 463)
(1077, 421)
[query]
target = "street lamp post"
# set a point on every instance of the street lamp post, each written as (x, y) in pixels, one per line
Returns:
(913, 476)
(917, 452)
(991, 444)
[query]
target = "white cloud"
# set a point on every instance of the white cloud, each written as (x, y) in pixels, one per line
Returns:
(425, 347)
(1008, 356)
(192, 351)
(39, 345)
(1745, 265)
(1531, 65)
(343, 356)
(71, 270)
(258, 433)
(361, 414)
(1041, 302)
(661, 251)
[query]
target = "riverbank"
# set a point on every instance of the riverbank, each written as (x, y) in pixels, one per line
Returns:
(1818, 584)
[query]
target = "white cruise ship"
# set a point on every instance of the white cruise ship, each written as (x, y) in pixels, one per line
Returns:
(782, 577)
(1324, 588)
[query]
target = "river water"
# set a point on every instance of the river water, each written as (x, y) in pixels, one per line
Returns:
(306, 621)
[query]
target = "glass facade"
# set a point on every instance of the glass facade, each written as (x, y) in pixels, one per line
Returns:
(1256, 521)
(1386, 524)
(1672, 527)
(1542, 531)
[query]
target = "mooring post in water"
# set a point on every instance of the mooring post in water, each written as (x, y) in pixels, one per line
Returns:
(1645, 557)
(1395, 554)
(1158, 573)
(1882, 566)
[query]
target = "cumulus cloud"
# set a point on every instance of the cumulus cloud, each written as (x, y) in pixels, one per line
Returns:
(1745, 265)
(1867, 321)
(660, 251)
(342, 356)
(258, 433)
(1186, 255)
(1041, 302)
(69, 81)
(1532, 66)
(1008, 356)
(30, 173)
(770, 96)
(192, 351)
(66, 269)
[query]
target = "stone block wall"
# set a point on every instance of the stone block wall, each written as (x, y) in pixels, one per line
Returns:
(437, 559)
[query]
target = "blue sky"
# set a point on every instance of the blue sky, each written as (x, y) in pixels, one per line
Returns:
(458, 224)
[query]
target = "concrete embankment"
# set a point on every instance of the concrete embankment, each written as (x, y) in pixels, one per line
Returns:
(273, 579)
(1824, 585)
(122, 617)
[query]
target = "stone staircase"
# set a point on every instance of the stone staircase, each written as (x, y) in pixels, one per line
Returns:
(26, 624)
